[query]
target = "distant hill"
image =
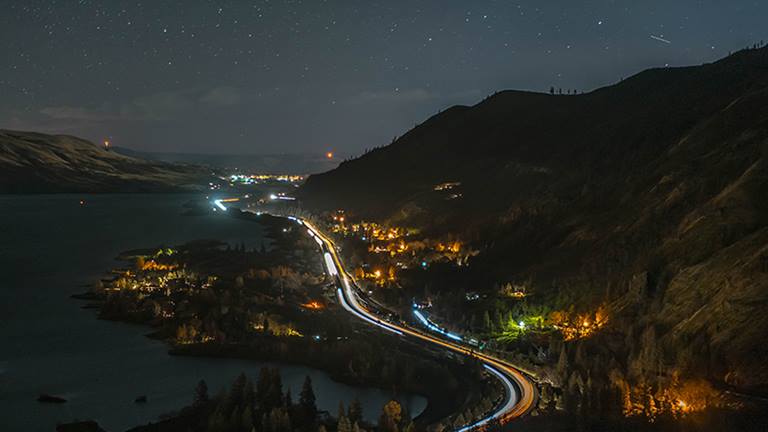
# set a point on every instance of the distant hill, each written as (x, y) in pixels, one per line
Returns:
(266, 164)
(656, 187)
(38, 163)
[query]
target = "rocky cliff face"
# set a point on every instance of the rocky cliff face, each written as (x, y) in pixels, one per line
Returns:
(663, 174)
(39, 163)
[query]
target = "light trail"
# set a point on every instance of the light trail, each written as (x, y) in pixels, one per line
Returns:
(220, 205)
(330, 265)
(430, 325)
(508, 405)
(346, 306)
(512, 377)
(515, 404)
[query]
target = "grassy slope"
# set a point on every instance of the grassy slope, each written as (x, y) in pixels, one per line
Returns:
(39, 163)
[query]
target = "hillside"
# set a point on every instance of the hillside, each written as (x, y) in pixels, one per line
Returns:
(39, 163)
(650, 194)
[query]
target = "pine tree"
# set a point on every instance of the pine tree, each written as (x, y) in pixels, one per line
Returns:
(488, 326)
(307, 402)
(235, 397)
(249, 394)
(355, 412)
(344, 425)
(262, 388)
(275, 395)
(201, 393)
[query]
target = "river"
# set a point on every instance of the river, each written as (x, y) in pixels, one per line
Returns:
(50, 247)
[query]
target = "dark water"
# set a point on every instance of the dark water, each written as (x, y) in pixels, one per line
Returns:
(49, 247)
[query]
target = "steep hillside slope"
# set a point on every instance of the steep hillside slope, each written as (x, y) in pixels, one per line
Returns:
(651, 194)
(39, 163)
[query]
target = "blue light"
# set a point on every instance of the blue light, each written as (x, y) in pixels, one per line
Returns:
(430, 325)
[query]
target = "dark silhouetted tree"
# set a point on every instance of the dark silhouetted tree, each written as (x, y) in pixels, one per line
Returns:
(355, 412)
(201, 393)
(307, 406)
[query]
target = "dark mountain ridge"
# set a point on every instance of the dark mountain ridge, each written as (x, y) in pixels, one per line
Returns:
(618, 127)
(33, 162)
(651, 193)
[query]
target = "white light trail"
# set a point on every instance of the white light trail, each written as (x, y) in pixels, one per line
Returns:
(660, 39)
(219, 204)
(363, 317)
(511, 401)
(330, 264)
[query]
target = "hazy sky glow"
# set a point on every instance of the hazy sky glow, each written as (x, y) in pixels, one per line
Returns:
(297, 76)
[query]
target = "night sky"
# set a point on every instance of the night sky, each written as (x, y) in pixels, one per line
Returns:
(311, 76)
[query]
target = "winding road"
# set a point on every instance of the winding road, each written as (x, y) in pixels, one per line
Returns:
(520, 392)
(513, 379)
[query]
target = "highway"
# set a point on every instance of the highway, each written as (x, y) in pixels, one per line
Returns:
(513, 379)
(520, 392)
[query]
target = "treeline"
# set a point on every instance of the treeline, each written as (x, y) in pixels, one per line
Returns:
(264, 406)
(451, 386)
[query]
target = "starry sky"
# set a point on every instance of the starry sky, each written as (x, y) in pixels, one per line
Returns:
(311, 76)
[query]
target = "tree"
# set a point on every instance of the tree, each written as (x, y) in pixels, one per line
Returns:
(182, 334)
(390, 416)
(201, 393)
(344, 424)
(235, 398)
(355, 412)
(307, 405)
(488, 326)
(552, 90)
(249, 394)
